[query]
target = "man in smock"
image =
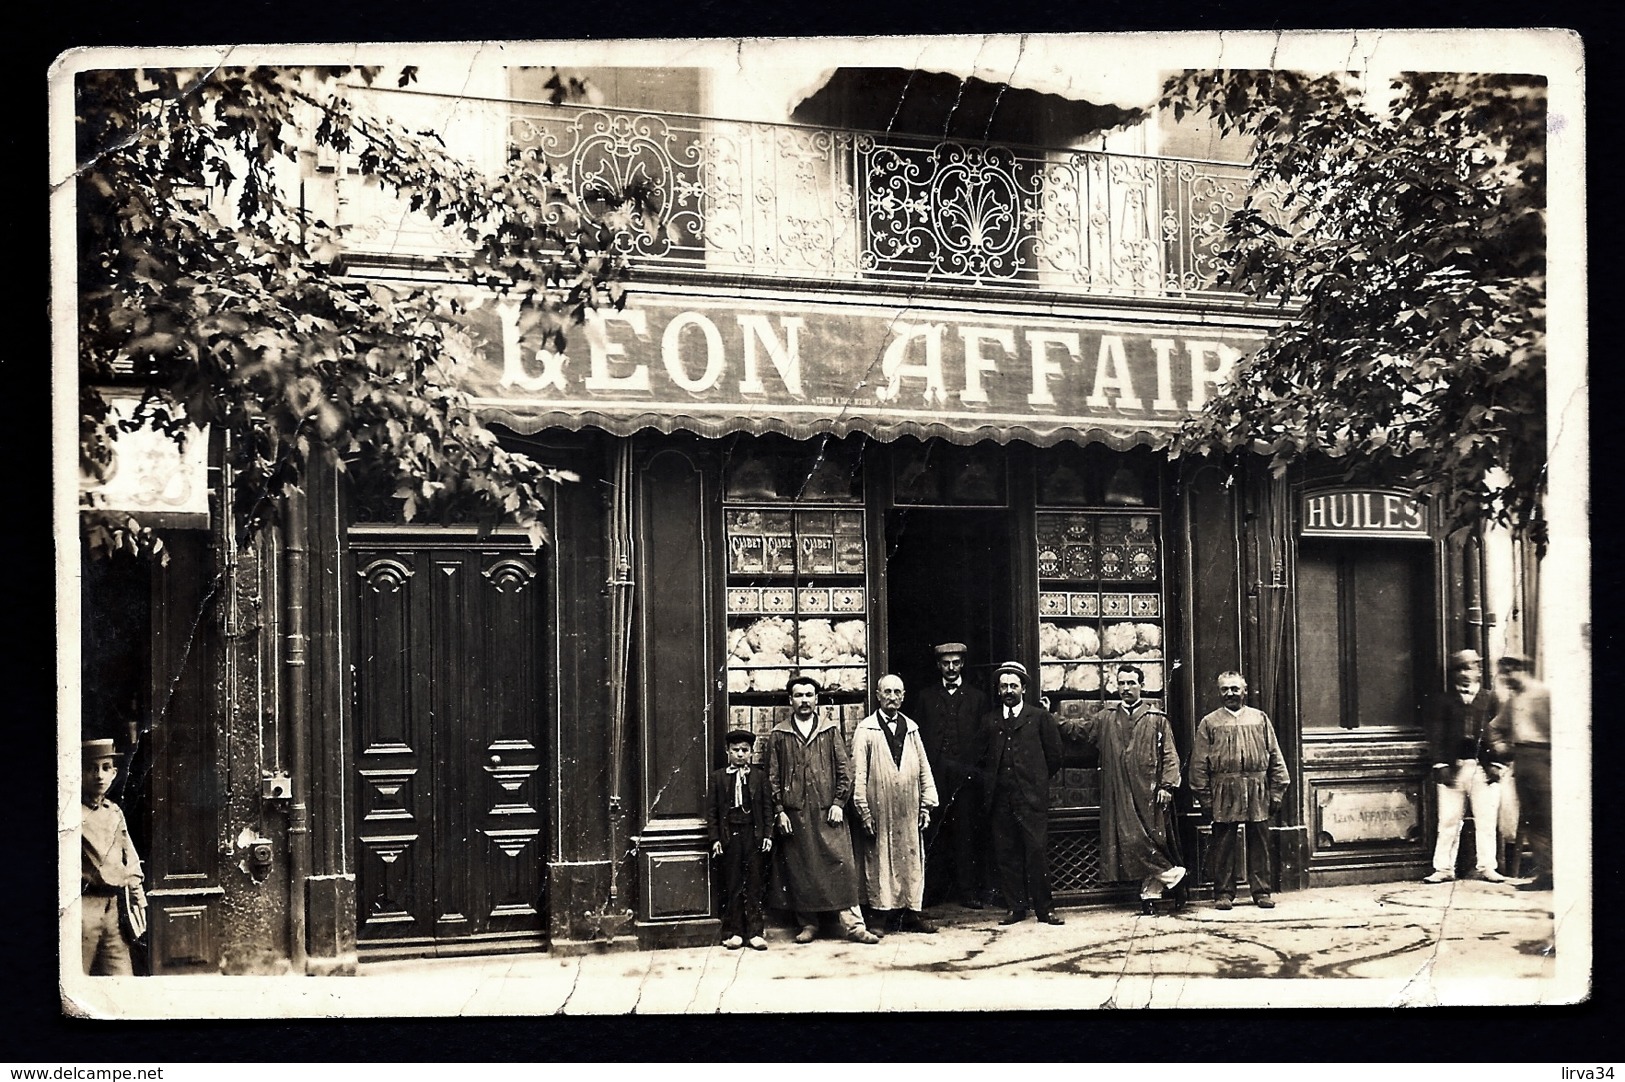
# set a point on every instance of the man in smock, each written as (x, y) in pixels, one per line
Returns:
(1238, 773)
(894, 794)
(1139, 771)
(810, 778)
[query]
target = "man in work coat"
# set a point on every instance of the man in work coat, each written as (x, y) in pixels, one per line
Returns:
(894, 793)
(1237, 771)
(810, 778)
(1023, 750)
(1139, 771)
(950, 714)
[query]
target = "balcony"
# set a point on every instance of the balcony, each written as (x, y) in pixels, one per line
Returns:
(831, 206)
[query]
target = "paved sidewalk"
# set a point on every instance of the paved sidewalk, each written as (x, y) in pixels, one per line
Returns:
(1467, 942)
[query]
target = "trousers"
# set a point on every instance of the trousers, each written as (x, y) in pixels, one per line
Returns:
(1471, 788)
(1019, 844)
(742, 880)
(954, 847)
(1226, 838)
(105, 949)
(1534, 774)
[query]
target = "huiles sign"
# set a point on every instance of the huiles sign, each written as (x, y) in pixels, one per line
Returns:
(1362, 512)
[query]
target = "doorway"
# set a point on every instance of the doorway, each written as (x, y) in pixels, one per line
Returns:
(450, 709)
(948, 580)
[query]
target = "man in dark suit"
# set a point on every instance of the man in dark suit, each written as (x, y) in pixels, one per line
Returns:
(950, 714)
(1023, 750)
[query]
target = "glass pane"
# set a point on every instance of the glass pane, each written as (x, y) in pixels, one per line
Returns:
(1385, 648)
(1319, 659)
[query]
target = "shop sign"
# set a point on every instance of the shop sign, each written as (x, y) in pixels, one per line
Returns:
(1350, 815)
(812, 364)
(152, 476)
(1362, 512)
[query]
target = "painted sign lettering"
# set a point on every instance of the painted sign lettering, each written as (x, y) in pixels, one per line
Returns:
(1362, 512)
(810, 363)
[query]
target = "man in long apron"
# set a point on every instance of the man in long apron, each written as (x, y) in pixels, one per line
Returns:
(810, 778)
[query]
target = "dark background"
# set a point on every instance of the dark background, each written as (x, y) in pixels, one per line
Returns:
(31, 1027)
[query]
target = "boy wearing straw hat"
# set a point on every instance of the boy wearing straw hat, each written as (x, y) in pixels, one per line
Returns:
(109, 870)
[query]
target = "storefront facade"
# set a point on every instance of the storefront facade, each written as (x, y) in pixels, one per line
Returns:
(417, 740)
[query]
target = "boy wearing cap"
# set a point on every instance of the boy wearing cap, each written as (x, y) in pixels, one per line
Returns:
(1470, 747)
(108, 866)
(741, 824)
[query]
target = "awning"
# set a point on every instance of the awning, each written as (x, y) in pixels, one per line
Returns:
(714, 366)
(1013, 89)
(1078, 69)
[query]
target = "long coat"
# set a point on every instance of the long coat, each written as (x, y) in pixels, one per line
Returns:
(1236, 766)
(889, 796)
(813, 867)
(1019, 758)
(951, 730)
(1137, 756)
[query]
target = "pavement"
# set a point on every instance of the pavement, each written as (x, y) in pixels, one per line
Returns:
(1387, 944)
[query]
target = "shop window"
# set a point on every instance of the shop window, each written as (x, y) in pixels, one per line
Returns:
(938, 473)
(797, 587)
(1094, 476)
(1102, 597)
(1362, 624)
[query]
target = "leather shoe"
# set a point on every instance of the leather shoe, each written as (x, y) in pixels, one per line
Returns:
(1050, 918)
(1015, 916)
(1490, 875)
(1439, 877)
(807, 934)
(864, 935)
(1224, 903)
(914, 922)
(1263, 901)
(1148, 907)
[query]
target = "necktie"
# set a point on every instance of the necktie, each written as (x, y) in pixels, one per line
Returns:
(739, 773)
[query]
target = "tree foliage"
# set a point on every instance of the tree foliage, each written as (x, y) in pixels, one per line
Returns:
(205, 284)
(1402, 227)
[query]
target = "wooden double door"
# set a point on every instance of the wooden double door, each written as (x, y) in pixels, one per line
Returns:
(448, 639)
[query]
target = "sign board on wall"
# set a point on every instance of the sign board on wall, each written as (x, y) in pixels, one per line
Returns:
(1353, 815)
(713, 365)
(1362, 512)
(152, 476)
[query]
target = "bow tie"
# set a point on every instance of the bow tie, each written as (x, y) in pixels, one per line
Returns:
(740, 773)
(951, 687)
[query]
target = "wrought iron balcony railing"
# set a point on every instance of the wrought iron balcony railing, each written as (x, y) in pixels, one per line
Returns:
(786, 201)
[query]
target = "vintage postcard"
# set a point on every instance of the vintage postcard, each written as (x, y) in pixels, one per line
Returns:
(852, 525)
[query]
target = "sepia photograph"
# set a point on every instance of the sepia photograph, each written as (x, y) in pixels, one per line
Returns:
(737, 526)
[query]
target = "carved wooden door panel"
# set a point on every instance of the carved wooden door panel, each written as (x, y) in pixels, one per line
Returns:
(449, 708)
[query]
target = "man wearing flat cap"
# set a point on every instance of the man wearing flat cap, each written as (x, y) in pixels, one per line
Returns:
(109, 870)
(949, 713)
(1023, 750)
(1526, 714)
(1470, 752)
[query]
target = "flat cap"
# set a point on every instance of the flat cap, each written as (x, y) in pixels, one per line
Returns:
(943, 648)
